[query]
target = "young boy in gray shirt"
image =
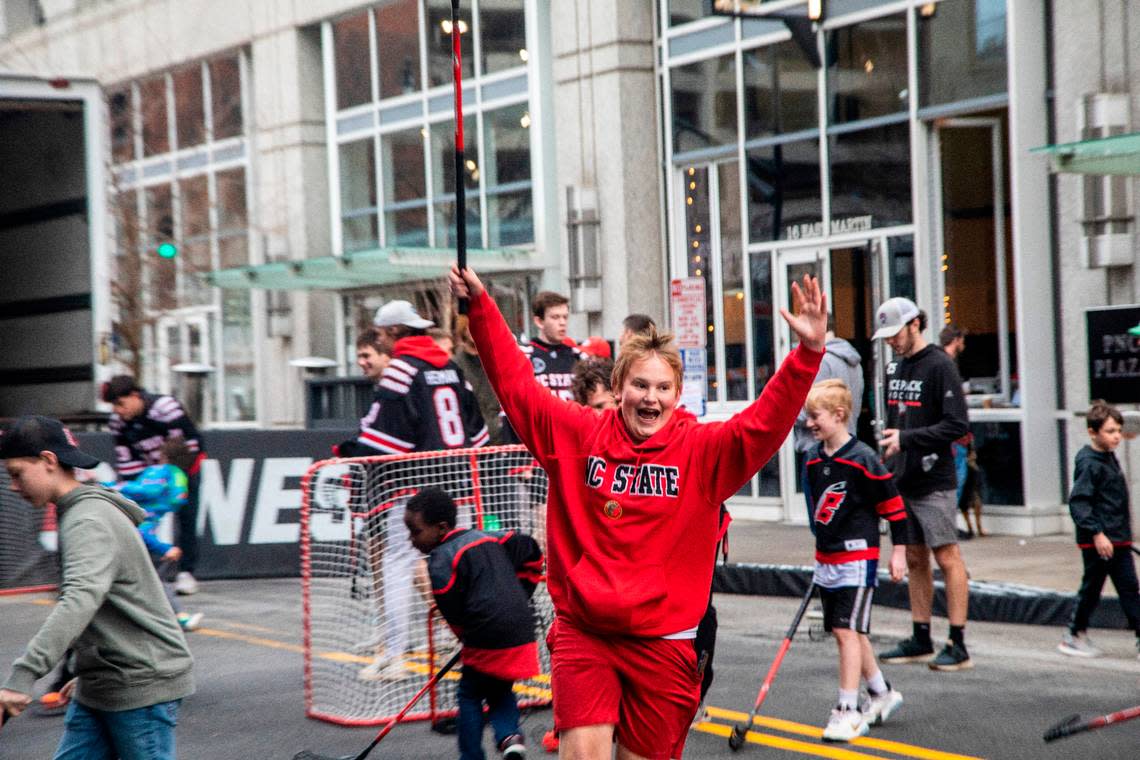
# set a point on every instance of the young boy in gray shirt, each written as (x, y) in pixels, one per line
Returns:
(132, 664)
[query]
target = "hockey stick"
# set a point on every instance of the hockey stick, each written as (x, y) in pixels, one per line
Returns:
(1074, 725)
(736, 738)
(310, 755)
(460, 185)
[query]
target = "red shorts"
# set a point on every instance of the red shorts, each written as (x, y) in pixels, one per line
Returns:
(648, 689)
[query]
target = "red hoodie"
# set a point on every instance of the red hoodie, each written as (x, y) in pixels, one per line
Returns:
(630, 525)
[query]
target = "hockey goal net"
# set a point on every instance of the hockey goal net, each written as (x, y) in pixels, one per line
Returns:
(28, 544)
(372, 637)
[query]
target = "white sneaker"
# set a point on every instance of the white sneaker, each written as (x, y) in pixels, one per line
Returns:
(384, 669)
(845, 725)
(877, 709)
(815, 612)
(1078, 645)
(190, 622)
(185, 584)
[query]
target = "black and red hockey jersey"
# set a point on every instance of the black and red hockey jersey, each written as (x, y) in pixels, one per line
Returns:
(482, 583)
(138, 441)
(553, 365)
(422, 403)
(851, 490)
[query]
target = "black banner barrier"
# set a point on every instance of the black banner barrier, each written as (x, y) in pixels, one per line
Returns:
(249, 500)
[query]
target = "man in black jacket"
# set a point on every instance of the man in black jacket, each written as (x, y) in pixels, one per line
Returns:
(926, 413)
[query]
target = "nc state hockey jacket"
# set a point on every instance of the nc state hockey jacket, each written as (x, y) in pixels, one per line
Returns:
(553, 365)
(925, 403)
(1099, 499)
(138, 441)
(482, 583)
(851, 490)
(630, 525)
(422, 403)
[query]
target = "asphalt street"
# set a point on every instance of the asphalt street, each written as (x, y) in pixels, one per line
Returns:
(249, 702)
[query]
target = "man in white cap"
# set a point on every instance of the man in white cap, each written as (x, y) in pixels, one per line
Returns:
(926, 413)
(422, 403)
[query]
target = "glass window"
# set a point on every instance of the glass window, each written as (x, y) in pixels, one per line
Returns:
(704, 104)
(698, 249)
(398, 47)
(225, 94)
(998, 445)
(502, 34)
(961, 51)
(438, 15)
(189, 111)
(358, 195)
(780, 91)
(195, 203)
(785, 198)
(900, 251)
(127, 228)
(732, 282)
(352, 61)
(443, 184)
(122, 128)
(160, 229)
(233, 245)
(510, 205)
(870, 175)
(405, 188)
(238, 356)
(684, 11)
(152, 102)
(868, 73)
(764, 349)
(194, 248)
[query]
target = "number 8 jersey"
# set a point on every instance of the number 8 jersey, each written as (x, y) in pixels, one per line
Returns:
(422, 403)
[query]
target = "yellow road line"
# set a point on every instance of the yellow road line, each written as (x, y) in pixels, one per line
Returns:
(259, 641)
(884, 745)
(792, 745)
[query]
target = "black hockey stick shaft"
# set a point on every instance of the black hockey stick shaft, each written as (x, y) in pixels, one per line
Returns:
(766, 685)
(447, 666)
(460, 168)
(1074, 724)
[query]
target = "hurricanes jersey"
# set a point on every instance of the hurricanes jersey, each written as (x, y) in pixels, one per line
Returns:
(421, 406)
(850, 491)
(553, 365)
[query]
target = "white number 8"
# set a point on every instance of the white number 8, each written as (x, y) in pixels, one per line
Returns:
(448, 416)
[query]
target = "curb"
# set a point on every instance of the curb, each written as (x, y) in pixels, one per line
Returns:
(990, 601)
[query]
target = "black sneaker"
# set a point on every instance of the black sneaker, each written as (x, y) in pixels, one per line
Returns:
(908, 650)
(513, 747)
(952, 657)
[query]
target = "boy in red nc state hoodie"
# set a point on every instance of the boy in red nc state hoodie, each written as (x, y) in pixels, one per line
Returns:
(635, 495)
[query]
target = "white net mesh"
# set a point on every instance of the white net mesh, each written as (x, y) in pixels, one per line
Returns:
(28, 558)
(370, 627)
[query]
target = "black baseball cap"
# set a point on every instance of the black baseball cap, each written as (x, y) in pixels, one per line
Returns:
(33, 433)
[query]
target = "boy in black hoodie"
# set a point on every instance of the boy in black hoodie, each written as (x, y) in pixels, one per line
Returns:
(1099, 506)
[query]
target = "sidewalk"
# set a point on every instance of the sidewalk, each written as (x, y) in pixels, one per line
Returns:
(1012, 579)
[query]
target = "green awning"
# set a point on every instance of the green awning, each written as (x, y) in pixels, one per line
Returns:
(361, 269)
(1119, 154)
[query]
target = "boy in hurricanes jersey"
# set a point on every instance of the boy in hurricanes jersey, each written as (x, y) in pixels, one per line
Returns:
(850, 490)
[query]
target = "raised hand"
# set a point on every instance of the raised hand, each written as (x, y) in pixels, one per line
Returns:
(810, 320)
(465, 284)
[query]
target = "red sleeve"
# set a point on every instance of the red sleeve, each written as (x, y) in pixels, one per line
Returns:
(737, 448)
(534, 412)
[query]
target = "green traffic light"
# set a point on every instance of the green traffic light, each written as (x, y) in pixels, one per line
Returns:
(167, 250)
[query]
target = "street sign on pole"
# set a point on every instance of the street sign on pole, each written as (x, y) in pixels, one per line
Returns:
(687, 309)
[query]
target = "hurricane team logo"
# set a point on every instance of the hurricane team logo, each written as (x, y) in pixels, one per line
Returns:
(539, 365)
(829, 502)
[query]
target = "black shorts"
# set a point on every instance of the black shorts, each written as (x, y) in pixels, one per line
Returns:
(847, 607)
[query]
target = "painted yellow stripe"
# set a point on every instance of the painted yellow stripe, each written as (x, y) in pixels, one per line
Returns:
(792, 745)
(259, 641)
(787, 726)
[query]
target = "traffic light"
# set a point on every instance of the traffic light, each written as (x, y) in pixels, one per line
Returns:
(167, 250)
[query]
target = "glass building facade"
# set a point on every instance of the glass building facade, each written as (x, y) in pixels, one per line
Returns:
(868, 149)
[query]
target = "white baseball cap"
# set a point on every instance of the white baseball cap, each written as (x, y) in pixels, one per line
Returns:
(893, 315)
(400, 313)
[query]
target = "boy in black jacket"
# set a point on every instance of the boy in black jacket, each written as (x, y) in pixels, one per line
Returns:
(1099, 506)
(482, 584)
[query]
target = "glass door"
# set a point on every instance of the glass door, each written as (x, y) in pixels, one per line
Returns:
(185, 369)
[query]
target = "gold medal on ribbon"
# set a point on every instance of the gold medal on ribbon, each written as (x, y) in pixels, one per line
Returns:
(612, 509)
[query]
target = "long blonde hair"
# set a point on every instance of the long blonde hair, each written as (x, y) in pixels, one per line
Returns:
(642, 346)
